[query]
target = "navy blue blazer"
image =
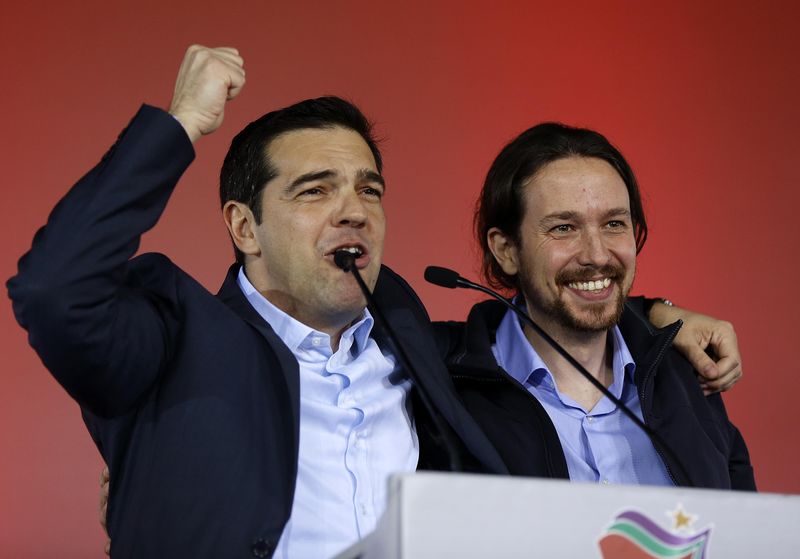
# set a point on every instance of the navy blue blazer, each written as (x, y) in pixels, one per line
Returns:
(191, 398)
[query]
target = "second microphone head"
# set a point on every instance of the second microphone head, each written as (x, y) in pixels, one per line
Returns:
(443, 277)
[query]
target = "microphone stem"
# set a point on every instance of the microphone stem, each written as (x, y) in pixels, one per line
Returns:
(582, 370)
(452, 456)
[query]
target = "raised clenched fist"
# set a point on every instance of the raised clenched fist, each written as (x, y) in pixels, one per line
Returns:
(207, 79)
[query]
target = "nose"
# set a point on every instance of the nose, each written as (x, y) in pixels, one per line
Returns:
(593, 250)
(351, 211)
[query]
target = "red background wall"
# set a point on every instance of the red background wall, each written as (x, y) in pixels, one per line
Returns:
(701, 98)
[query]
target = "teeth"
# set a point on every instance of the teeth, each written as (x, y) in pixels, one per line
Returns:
(595, 285)
(351, 250)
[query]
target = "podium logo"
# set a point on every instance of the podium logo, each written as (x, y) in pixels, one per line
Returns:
(632, 535)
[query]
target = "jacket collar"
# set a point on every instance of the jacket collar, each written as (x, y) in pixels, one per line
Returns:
(407, 316)
(646, 343)
(474, 356)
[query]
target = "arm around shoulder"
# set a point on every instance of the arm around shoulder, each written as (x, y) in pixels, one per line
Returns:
(708, 343)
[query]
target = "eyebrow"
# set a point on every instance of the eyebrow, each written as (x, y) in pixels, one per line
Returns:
(308, 177)
(361, 175)
(372, 176)
(572, 216)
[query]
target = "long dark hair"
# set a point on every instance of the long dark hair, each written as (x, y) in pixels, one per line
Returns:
(501, 202)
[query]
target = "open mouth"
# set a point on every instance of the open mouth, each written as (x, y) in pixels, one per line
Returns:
(593, 286)
(594, 290)
(355, 252)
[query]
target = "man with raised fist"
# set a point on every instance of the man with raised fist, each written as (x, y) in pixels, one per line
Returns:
(220, 417)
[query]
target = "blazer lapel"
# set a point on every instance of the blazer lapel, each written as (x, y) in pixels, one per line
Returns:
(232, 296)
(419, 347)
(435, 382)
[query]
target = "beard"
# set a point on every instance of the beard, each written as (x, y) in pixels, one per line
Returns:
(594, 317)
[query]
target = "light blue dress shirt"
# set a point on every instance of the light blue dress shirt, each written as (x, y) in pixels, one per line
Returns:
(602, 445)
(355, 431)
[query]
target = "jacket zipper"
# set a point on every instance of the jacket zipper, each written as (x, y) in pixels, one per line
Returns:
(643, 397)
(505, 377)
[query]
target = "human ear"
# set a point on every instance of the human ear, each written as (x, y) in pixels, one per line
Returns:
(504, 250)
(241, 224)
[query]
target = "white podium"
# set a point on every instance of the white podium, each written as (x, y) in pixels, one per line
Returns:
(440, 516)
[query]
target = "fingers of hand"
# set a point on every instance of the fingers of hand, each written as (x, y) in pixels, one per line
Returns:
(730, 372)
(703, 363)
(231, 53)
(236, 82)
(207, 79)
(724, 344)
(222, 64)
(200, 53)
(721, 370)
(692, 344)
(104, 482)
(103, 514)
(724, 341)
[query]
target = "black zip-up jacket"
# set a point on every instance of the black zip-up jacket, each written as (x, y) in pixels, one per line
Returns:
(695, 427)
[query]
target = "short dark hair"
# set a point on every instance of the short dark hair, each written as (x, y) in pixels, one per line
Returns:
(247, 168)
(501, 202)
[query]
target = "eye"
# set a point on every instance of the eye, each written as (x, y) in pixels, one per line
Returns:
(313, 191)
(616, 224)
(562, 228)
(372, 192)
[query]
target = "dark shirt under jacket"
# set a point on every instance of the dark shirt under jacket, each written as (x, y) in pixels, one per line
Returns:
(191, 398)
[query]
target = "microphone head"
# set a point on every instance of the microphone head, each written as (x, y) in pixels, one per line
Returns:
(344, 259)
(442, 277)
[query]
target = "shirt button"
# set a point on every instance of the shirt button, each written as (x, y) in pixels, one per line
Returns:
(590, 419)
(605, 482)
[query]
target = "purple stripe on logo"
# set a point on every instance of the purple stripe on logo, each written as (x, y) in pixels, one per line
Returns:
(658, 531)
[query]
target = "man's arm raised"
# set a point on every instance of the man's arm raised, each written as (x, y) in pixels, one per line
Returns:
(100, 323)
